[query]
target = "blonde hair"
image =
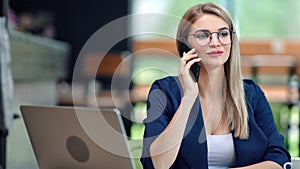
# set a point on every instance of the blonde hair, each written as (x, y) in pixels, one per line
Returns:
(235, 105)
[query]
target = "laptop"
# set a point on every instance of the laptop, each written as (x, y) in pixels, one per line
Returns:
(77, 137)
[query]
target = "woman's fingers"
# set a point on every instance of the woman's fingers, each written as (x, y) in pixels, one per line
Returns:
(191, 51)
(190, 58)
(189, 55)
(191, 62)
(187, 82)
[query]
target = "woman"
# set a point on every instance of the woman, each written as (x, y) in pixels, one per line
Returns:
(218, 120)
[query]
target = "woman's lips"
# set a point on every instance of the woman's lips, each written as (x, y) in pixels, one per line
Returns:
(216, 53)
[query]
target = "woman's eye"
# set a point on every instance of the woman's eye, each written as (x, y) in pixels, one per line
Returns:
(223, 33)
(202, 35)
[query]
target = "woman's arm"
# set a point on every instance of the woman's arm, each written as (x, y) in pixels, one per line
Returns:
(165, 147)
(276, 154)
(264, 165)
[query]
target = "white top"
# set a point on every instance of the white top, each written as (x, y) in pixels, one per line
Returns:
(221, 154)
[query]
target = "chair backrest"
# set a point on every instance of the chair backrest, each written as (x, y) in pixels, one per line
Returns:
(274, 74)
(273, 69)
(247, 66)
(106, 67)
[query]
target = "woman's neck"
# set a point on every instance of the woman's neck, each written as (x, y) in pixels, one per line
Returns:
(212, 82)
(212, 89)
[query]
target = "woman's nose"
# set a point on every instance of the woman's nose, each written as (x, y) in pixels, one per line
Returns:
(214, 39)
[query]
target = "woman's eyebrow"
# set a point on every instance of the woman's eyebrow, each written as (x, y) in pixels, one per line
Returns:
(206, 30)
(222, 28)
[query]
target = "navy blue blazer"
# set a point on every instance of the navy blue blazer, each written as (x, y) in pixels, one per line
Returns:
(264, 142)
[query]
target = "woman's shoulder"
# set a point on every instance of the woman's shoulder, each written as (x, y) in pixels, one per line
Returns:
(168, 79)
(252, 90)
(169, 84)
(250, 85)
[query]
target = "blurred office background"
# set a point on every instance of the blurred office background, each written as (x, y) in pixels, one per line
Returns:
(46, 38)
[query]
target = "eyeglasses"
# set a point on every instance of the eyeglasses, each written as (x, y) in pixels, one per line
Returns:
(203, 37)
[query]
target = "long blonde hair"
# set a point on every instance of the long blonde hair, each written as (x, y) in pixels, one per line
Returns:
(235, 105)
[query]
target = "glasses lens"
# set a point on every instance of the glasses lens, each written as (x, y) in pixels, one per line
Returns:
(224, 36)
(202, 38)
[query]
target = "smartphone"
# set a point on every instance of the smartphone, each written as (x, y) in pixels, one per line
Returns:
(195, 68)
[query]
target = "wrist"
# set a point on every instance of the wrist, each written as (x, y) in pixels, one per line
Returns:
(189, 97)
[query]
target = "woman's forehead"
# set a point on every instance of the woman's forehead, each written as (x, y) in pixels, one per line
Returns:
(209, 22)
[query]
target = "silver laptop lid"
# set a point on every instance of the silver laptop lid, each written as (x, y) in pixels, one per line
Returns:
(77, 138)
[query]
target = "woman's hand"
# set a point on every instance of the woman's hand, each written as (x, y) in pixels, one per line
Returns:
(189, 86)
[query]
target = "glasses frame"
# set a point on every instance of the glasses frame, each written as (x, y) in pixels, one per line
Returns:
(210, 37)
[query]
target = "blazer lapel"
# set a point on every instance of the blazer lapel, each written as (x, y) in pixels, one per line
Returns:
(251, 150)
